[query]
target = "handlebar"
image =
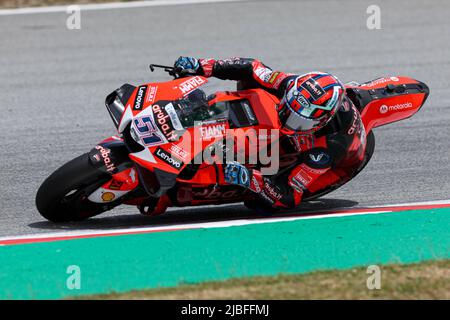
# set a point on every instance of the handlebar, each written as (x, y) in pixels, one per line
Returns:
(172, 71)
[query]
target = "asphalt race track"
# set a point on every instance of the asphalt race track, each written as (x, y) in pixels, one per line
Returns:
(53, 82)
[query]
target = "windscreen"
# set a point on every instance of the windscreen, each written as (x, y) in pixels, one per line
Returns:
(194, 107)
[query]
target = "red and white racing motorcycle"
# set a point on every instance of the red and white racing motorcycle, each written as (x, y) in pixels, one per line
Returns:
(149, 163)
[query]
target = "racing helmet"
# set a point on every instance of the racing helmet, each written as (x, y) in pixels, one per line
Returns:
(310, 102)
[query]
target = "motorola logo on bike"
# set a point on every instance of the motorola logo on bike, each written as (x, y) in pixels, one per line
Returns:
(138, 102)
(397, 107)
(169, 159)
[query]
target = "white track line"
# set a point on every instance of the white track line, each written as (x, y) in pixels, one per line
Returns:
(200, 225)
(222, 224)
(435, 202)
(107, 6)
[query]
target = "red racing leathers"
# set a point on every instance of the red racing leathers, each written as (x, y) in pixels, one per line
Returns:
(327, 157)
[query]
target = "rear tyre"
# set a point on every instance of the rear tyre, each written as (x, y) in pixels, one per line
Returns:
(62, 197)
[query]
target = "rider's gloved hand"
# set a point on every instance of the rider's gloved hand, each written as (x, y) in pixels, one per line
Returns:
(185, 65)
(236, 173)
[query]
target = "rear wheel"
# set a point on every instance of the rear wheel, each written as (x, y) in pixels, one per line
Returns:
(63, 196)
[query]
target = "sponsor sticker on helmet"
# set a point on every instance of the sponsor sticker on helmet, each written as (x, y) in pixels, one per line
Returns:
(301, 99)
(314, 89)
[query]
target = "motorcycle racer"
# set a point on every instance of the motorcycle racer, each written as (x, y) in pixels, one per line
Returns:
(317, 117)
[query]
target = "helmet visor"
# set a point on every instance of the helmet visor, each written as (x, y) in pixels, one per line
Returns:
(296, 122)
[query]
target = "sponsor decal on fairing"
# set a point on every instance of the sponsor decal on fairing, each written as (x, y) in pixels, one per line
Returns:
(102, 195)
(173, 117)
(191, 84)
(212, 131)
(151, 96)
(356, 123)
(179, 152)
(164, 123)
(139, 100)
(168, 158)
(379, 81)
(104, 153)
(397, 107)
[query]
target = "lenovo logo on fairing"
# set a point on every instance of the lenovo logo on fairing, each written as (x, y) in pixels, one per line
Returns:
(167, 158)
(140, 97)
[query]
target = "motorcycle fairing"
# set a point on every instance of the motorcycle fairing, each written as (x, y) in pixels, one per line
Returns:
(386, 100)
(153, 92)
(110, 156)
(120, 184)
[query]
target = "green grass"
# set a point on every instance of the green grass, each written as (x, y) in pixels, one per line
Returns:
(428, 280)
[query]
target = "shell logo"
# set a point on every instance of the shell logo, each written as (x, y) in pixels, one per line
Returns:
(383, 109)
(108, 196)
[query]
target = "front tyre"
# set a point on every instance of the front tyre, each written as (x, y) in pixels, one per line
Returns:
(63, 196)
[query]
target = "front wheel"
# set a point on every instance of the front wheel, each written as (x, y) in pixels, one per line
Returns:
(63, 196)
